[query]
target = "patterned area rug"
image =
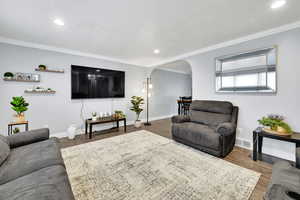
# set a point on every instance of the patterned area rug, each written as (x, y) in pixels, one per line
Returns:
(146, 166)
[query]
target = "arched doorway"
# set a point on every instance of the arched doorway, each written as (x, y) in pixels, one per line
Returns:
(170, 82)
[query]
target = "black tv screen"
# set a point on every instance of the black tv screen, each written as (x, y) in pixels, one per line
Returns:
(88, 82)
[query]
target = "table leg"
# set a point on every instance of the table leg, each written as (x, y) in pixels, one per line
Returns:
(260, 144)
(26, 127)
(297, 156)
(125, 125)
(86, 126)
(179, 108)
(118, 124)
(254, 155)
(91, 131)
(8, 133)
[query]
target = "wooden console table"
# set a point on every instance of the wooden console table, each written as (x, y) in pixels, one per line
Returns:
(89, 124)
(12, 124)
(258, 136)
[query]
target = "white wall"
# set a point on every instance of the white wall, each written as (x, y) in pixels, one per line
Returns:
(167, 87)
(58, 111)
(252, 107)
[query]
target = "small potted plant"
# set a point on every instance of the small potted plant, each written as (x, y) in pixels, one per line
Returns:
(42, 67)
(8, 75)
(94, 116)
(16, 130)
(275, 124)
(119, 114)
(20, 106)
(137, 102)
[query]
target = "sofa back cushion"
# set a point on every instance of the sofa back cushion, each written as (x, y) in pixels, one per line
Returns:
(4, 149)
(211, 113)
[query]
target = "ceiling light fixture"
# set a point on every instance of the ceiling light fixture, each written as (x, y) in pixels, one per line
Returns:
(58, 22)
(156, 51)
(278, 4)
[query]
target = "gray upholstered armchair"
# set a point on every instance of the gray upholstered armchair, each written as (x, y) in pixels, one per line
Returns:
(285, 181)
(210, 127)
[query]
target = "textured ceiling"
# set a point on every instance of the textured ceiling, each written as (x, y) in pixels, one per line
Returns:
(129, 30)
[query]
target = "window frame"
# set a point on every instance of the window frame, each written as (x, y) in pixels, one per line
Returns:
(268, 68)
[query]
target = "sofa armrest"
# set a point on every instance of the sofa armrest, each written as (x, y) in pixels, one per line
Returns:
(28, 137)
(180, 119)
(226, 128)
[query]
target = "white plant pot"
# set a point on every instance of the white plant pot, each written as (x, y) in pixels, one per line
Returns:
(137, 123)
(94, 118)
(72, 131)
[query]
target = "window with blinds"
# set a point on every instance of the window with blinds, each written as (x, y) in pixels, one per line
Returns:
(247, 72)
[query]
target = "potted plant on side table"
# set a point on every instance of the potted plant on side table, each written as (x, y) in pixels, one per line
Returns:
(275, 124)
(20, 106)
(137, 102)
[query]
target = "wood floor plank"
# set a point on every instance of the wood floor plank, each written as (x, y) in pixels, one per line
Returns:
(238, 156)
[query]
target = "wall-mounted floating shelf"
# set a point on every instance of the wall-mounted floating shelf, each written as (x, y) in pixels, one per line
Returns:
(20, 80)
(40, 92)
(50, 70)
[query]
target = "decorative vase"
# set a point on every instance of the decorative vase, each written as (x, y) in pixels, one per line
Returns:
(281, 130)
(94, 118)
(137, 123)
(20, 117)
(72, 131)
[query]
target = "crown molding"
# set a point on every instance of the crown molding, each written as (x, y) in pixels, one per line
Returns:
(61, 50)
(172, 70)
(254, 36)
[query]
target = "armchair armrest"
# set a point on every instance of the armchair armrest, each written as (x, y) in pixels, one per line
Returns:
(180, 119)
(28, 137)
(226, 128)
(281, 192)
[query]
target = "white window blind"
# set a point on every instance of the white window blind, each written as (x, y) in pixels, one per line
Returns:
(248, 72)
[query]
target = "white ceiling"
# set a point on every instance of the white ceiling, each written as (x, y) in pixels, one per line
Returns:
(129, 30)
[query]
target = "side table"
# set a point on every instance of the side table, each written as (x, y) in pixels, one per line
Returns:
(12, 124)
(259, 134)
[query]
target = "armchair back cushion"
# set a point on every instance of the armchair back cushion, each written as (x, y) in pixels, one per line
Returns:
(211, 113)
(4, 149)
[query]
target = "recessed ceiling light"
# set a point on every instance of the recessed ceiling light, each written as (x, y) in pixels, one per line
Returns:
(58, 22)
(278, 4)
(156, 51)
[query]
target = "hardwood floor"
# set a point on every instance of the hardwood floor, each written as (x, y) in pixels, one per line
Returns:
(238, 156)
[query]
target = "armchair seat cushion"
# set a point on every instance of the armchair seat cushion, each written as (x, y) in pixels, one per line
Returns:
(29, 158)
(198, 134)
(49, 183)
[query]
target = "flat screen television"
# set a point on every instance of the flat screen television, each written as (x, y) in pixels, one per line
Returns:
(88, 82)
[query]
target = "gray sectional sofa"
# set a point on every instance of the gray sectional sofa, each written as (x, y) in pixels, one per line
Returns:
(31, 168)
(210, 127)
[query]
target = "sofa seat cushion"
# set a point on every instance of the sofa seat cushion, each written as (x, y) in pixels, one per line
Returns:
(50, 183)
(29, 158)
(198, 134)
